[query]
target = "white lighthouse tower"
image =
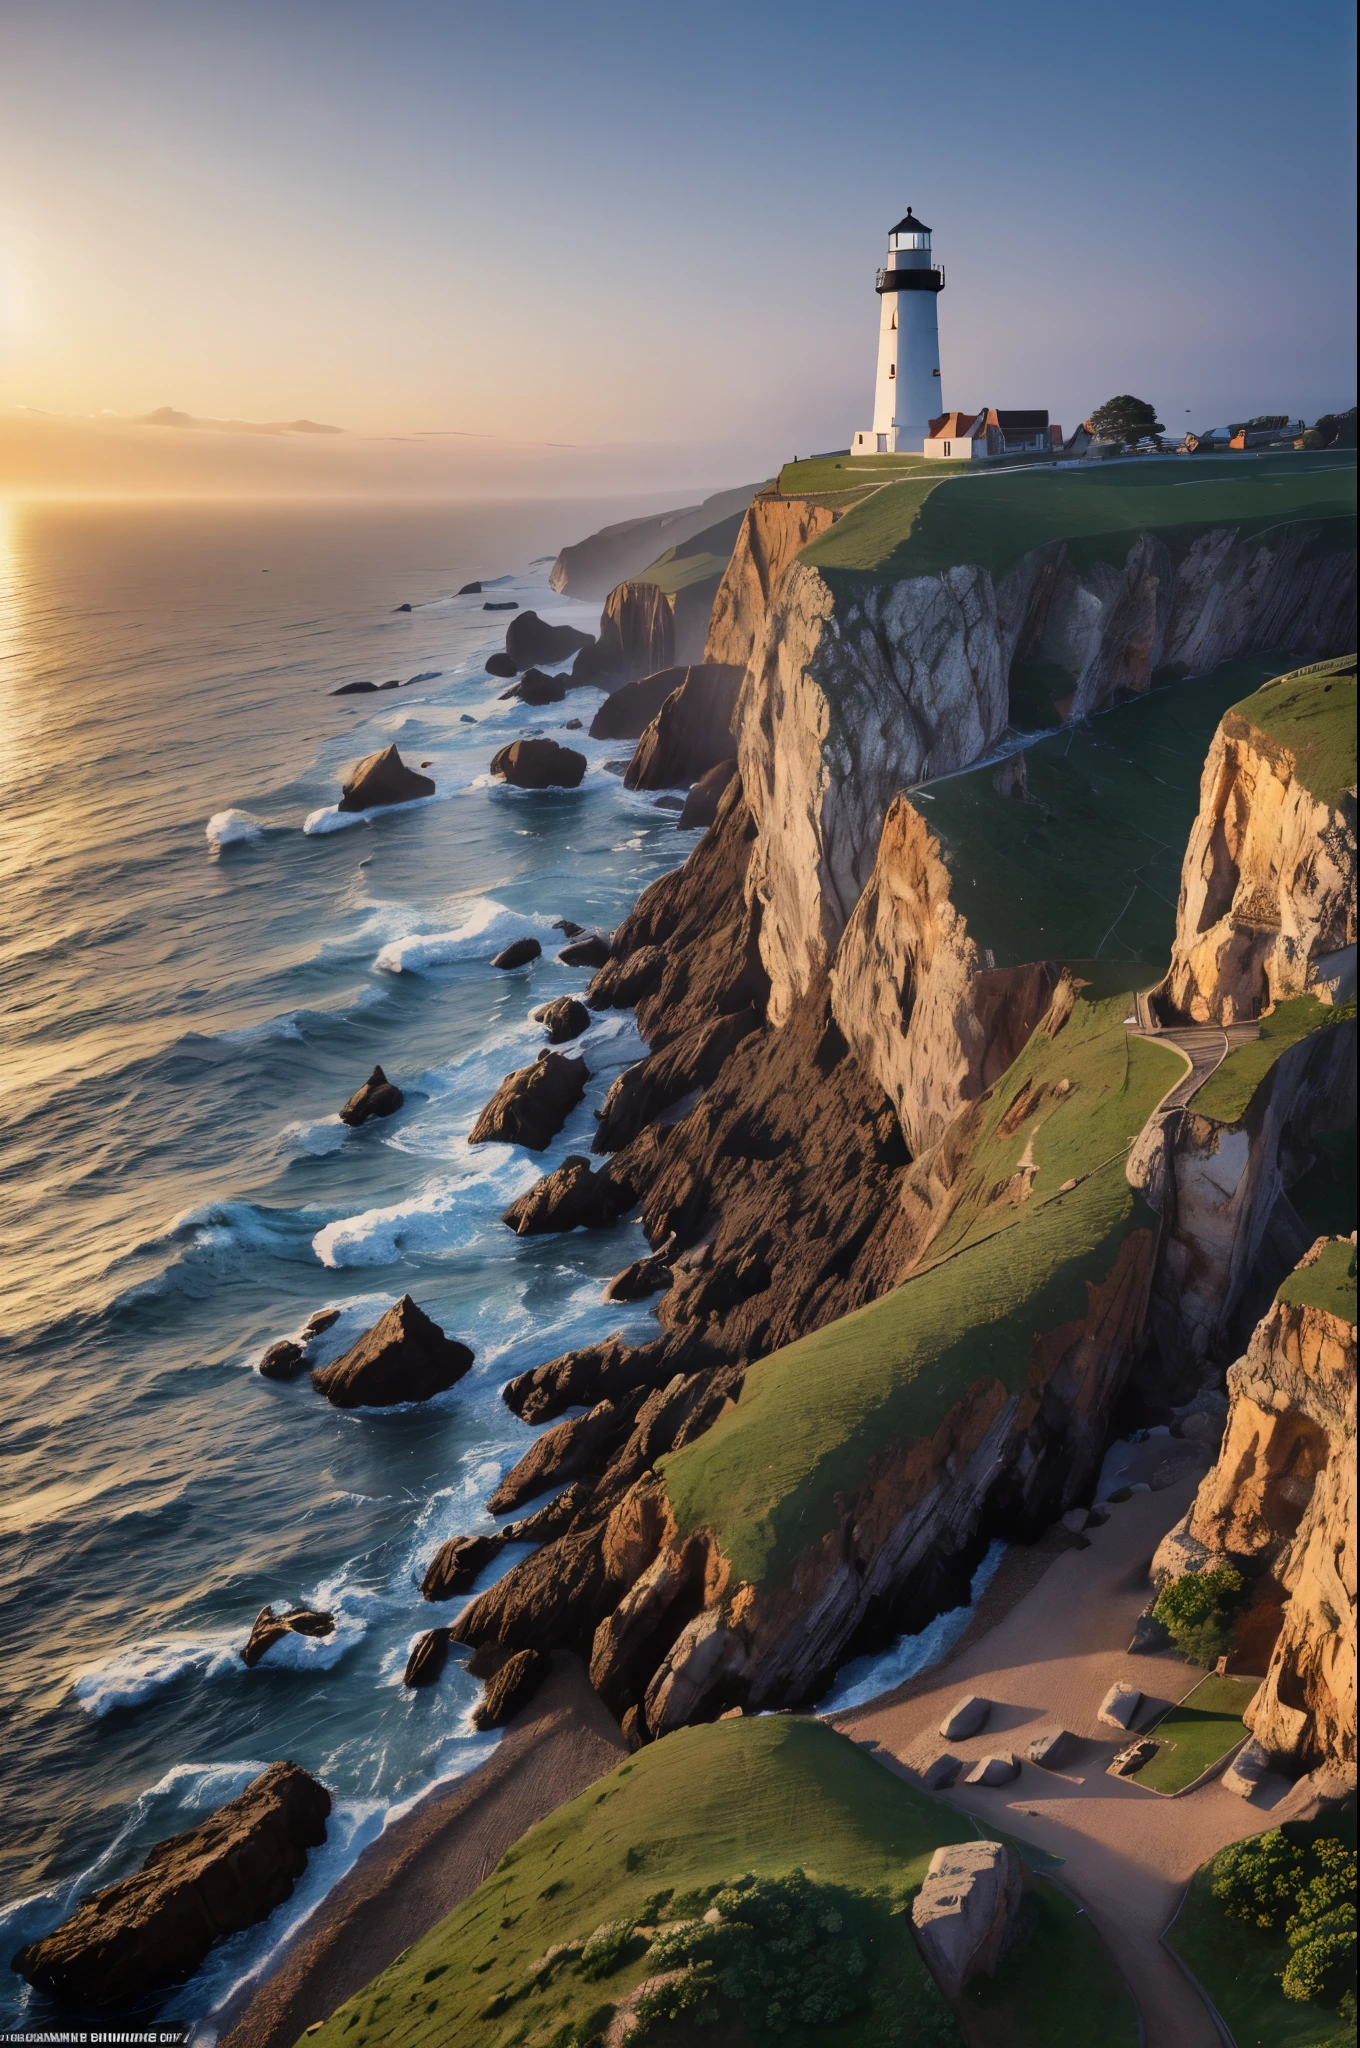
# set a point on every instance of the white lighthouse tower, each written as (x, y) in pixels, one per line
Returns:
(907, 389)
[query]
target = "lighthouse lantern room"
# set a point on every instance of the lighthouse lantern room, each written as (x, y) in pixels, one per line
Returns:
(907, 389)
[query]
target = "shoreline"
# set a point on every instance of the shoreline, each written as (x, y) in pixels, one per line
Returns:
(428, 1862)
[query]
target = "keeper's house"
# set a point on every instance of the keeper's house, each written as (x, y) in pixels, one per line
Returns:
(982, 436)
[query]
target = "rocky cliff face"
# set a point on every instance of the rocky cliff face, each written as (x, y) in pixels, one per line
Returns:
(1280, 1502)
(1268, 888)
(860, 685)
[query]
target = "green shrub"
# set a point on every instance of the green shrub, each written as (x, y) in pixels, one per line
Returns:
(1259, 1880)
(1330, 1882)
(1322, 1963)
(780, 1949)
(1201, 1610)
(610, 1947)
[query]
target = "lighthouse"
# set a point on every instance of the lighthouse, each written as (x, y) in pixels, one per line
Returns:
(907, 388)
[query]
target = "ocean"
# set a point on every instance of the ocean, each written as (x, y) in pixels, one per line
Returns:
(192, 984)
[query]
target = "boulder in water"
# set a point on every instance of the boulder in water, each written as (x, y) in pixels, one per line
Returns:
(404, 1357)
(425, 1665)
(592, 949)
(377, 1097)
(531, 1106)
(354, 690)
(539, 764)
(627, 712)
(156, 1926)
(383, 778)
(512, 1687)
(535, 687)
(469, 590)
(517, 954)
(500, 665)
(564, 1018)
(454, 1567)
(529, 639)
(282, 1361)
(271, 1628)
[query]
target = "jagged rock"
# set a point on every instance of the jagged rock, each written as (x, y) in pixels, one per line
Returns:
(270, 1628)
(455, 1566)
(534, 687)
(531, 1106)
(643, 1278)
(517, 954)
(564, 1018)
(942, 1773)
(590, 950)
(1247, 1770)
(566, 1451)
(1049, 1749)
(282, 1361)
(425, 1665)
(692, 1060)
(627, 712)
(377, 1097)
(993, 1770)
(567, 926)
(155, 1927)
(468, 590)
(404, 1357)
(500, 665)
(320, 1320)
(966, 1911)
(701, 805)
(966, 1718)
(555, 1518)
(636, 637)
(596, 1372)
(691, 733)
(633, 1728)
(529, 639)
(556, 1596)
(382, 778)
(354, 690)
(511, 1688)
(539, 764)
(1119, 1708)
(1150, 1637)
(573, 1197)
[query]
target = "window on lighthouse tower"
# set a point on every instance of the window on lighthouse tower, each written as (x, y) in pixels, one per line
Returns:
(892, 369)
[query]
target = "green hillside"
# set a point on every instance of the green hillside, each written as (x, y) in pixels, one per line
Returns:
(991, 515)
(654, 1841)
(1329, 1283)
(1228, 1093)
(764, 1478)
(1312, 712)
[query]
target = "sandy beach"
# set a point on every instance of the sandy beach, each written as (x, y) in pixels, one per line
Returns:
(428, 1862)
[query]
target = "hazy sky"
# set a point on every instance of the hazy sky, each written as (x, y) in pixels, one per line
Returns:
(658, 226)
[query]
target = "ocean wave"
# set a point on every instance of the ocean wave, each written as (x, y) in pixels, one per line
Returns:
(229, 828)
(330, 818)
(131, 1676)
(441, 1219)
(487, 927)
(210, 1226)
(865, 1678)
(318, 1139)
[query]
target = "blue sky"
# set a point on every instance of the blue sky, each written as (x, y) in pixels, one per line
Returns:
(659, 226)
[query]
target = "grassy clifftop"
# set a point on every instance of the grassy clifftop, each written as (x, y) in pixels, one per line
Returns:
(938, 516)
(1329, 1283)
(1312, 712)
(655, 1840)
(764, 1478)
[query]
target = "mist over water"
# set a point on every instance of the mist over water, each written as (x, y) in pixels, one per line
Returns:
(183, 1012)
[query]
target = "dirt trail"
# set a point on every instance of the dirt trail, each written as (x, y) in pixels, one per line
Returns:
(1049, 1661)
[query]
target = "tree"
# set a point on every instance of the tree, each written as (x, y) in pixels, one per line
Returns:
(1201, 1611)
(1126, 419)
(1259, 1880)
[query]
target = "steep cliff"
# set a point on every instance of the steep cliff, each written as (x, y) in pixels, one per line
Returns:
(1280, 1502)
(1267, 907)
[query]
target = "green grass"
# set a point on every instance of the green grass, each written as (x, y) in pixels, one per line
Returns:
(1329, 1283)
(1091, 867)
(765, 1477)
(700, 559)
(926, 525)
(1194, 1735)
(707, 1804)
(1312, 712)
(1239, 1966)
(827, 474)
(1058, 1989)
(1228, 1093)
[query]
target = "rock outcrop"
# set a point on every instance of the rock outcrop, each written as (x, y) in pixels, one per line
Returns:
(404, 1357)
(511, 1688)
(156, 1927)
(529, 639)
(377, 1097)
(703, 798)
(534, 687)
(627, 712)
(965, 1913)
(429, 1654)
(691, 733)
(1280, 1503)
(519, 953)
(270, 1628)
(539, 764)
(636, 638)
(564, 1018)
(531, 1106)
(382, 778)
(1268, 888)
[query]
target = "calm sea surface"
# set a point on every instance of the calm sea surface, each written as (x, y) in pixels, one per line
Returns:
(181, 1016)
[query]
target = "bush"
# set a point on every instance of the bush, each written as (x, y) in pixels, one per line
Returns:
(609, 1948)
(1330, 1883)
(1125, 419)
(780, 1949)
(1322, 1964)
(1200, 1611)
(1259, 1880)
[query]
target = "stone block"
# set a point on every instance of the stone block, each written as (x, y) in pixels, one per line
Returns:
(965, 1718)
(1119, 1708)
(965, 1913)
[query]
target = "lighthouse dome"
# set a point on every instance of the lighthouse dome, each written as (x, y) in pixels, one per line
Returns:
(909, 225)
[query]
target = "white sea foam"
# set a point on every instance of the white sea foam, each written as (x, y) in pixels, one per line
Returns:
(487, 927)
(325, 1136)
(446, 1216)
(228, 828)
(131, 1676)
(330, 818)
(295, 1652)
(864, 1678)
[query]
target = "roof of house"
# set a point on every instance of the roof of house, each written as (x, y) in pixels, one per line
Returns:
(955, 425)
(909, 225)
(1019, 422)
